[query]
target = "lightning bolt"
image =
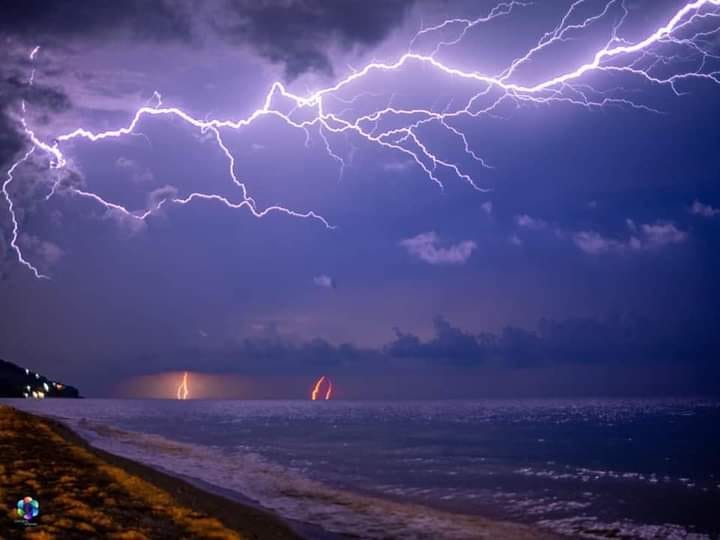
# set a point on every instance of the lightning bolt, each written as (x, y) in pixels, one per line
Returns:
(14, 235)
(690, 32)
(182, 390)
(316, 388)
(315, 392)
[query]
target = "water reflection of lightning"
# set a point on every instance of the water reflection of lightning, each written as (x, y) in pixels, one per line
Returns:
(315, 392)
(183, 391)
(690, 35)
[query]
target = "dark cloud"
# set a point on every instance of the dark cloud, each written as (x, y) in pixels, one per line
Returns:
(61, 24)
(297, 33)
(617, 342)
(13, 91)
(449, 343)
(49, 21)
(15, 88)
(65, 23)
(293, 33)
(627, 339)
(273, 354)
(10, 142)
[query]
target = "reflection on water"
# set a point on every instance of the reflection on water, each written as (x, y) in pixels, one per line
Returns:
(597, 468)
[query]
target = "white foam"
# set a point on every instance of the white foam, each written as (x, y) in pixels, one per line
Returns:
(284, 491)
(592, 528)
(587, 475)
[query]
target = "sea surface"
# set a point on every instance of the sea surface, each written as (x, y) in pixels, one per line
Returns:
(585, 468)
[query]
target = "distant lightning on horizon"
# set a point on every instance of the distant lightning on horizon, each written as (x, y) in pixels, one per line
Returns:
(645, 59)
(183, 391)
(315, 393)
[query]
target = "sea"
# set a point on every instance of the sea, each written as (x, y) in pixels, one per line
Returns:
(591, 468)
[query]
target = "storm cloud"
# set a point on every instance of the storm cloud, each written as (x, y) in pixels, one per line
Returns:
(49, 22)
(584, 212)
(297, 33)
(619, 341)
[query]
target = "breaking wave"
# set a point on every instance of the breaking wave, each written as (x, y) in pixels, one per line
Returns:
(290, 494)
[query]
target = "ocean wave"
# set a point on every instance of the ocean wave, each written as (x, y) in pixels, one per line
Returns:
(595, 529)
(423, 470)
(585, 474)
(292, 495)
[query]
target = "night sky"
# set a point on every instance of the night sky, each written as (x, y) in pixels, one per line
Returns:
(583, 263)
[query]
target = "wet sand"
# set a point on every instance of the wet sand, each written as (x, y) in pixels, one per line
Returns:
(87, 493)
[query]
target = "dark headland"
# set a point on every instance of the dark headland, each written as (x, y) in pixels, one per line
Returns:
(19, 382)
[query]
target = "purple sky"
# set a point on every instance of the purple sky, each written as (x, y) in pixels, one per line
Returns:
(590, 246)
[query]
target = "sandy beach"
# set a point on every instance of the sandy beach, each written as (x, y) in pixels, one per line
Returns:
(86, 493)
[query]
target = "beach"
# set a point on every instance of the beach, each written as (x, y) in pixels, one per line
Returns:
(87, 493)
(372, 470)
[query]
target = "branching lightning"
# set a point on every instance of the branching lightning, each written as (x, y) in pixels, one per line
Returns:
(689, 33)
(14, 233)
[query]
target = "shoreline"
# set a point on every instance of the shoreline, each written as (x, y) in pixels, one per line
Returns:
(128, 495)
(233, 511)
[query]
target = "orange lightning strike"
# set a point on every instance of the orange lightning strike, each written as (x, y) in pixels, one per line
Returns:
(318, 385)
(182, 391)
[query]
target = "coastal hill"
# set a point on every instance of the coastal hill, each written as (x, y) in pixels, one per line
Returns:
(18, 382)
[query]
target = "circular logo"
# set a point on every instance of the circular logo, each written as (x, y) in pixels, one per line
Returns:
(28, 508)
